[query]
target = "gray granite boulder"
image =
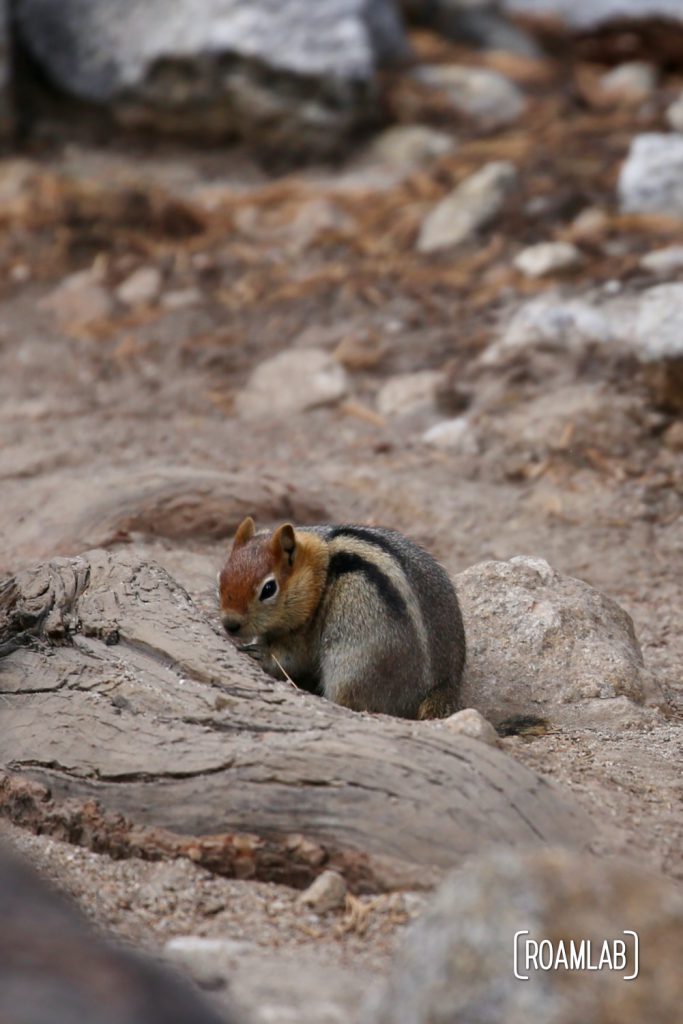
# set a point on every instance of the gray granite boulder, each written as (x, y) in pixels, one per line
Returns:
(281, 73)
(458, 964)
(544, 645)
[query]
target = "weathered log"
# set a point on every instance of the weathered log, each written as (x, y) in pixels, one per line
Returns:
(155, 736)
(54, 968)
(157, 501)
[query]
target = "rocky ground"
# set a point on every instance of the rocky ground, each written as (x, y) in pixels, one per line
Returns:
(392, 360)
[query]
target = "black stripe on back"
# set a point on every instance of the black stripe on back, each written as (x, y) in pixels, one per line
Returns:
(380, 540)
(343, 562)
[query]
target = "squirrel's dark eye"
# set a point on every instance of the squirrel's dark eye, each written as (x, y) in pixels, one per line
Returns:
(269, 589)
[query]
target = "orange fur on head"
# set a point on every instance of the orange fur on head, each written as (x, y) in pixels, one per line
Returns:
(247, 564)
(245, 531)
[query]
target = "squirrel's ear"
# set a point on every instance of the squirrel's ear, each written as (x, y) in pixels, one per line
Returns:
(245, 531)
(284, 541)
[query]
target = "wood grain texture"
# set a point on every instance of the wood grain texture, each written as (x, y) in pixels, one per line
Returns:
(128, 722)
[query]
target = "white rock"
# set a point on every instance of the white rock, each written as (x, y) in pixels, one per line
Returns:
(651, 178)
(674, 114)
(633, 80)
(291, 382)
(469, 722)
(471, 206)
(663, 261)
(181, 298)
(78, 300)
(141, 288)
(486, 96)
(590, 222)
(455, 434)
(208, 961)
(547, 258)
(407, 393)
(552, 322)
(409, 145)
(327, 892)
(313, 218)
(659, 326)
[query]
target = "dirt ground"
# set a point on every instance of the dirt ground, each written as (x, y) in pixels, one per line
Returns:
(326, 258)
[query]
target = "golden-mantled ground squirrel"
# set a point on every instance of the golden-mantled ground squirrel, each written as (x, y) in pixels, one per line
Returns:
(359, 614)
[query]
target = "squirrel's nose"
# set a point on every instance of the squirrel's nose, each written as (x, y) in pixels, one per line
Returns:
(231, 624)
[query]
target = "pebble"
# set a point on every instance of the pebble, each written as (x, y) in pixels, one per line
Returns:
(651, 178)
(552, 322)
(292, 382)
(408, 393)
(142, 287)
(327, 892)
(674, 114)
(485, 96)
(590, 223)
(663, 261)
(80, 299)
(208, 961)
(471, 206)
(547, 258)
(181, 298)
(673, 436)
(410, 145)
(455, 433)
(632, 81)
(469, 722)
(659, 324)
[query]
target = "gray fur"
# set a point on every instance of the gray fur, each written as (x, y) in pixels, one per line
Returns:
(371, 658)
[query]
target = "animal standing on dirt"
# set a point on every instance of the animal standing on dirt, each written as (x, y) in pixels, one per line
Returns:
(359, 614)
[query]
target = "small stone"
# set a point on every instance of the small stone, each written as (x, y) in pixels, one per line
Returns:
(663, 261)
(590, 223)
(659, 325)
(360, 351)
(553, 323)
(673, 436)
(79, 300)
(547, 258)
(410, 145)
(181, 298)
(208, 961)
(292, 382)
(20, 273)
(469, 722)
(452, 434)
(408, 393)
(328, 892)
(313, 219)
(651, 178)
(471, 206)
(674, 114)
(141, 288)
(485, 96)
(630, 82)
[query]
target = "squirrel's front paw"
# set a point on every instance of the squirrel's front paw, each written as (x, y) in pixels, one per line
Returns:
(255, 649)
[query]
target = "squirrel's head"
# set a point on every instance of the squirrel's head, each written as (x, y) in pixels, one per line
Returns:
(271, 582)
